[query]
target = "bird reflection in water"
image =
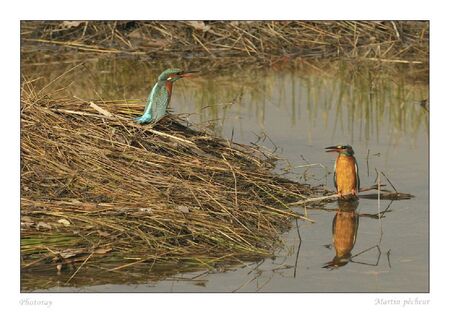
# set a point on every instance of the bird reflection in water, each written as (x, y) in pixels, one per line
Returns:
(345, 229)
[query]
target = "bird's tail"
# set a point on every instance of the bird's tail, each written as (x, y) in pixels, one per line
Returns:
(144, 119)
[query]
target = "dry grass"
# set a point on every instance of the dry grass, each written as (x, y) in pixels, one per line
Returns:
(237, 43)
(100, 189)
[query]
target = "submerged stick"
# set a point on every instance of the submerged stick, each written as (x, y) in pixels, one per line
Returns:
(318, 199)
(389, 182)
(78, 269)
(336, 196)
(330, 197)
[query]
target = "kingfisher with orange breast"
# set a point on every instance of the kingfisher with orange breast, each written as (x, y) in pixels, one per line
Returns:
(346, 178)
(159, 98)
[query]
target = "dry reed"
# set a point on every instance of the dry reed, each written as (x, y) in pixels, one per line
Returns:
(236, 43)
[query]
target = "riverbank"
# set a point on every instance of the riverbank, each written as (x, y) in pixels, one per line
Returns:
(228, 45)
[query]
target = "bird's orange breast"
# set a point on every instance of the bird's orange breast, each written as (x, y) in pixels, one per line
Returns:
(346, 180)
(169, 87)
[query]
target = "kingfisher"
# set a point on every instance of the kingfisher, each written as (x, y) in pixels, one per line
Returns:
(159, 98)
(346, 178)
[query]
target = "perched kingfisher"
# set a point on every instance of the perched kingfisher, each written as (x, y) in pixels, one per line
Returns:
(159, 98)
(346, 178)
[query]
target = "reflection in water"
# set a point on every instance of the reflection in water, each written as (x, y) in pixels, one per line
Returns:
(361, 100)
(345, 230)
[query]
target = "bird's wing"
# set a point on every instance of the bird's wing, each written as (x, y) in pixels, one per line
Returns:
(357, 176)
(148, 111)
(334, 175)
(162, 98)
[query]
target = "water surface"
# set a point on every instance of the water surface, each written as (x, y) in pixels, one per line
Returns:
(298, 112)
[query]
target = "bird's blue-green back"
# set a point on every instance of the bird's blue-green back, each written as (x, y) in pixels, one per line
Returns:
(159, 101)
(156, 106)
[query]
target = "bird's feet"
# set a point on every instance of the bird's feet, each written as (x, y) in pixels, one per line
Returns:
(351, 195)
(144, 119)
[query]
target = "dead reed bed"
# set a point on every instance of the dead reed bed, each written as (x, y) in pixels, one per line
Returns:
(96, 188)
(236, 43)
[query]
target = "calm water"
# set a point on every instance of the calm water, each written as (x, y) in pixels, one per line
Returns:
(299, 113)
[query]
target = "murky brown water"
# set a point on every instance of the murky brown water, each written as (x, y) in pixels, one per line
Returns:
(299, 112)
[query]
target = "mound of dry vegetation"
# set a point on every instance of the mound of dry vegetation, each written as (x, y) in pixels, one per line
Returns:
(98, 188)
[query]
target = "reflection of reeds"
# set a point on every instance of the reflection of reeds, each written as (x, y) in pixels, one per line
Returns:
(348, 98)
(356, 98)
(102, 191)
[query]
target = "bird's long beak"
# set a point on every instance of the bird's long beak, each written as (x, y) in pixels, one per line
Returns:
(333, 149)
(188, 73)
